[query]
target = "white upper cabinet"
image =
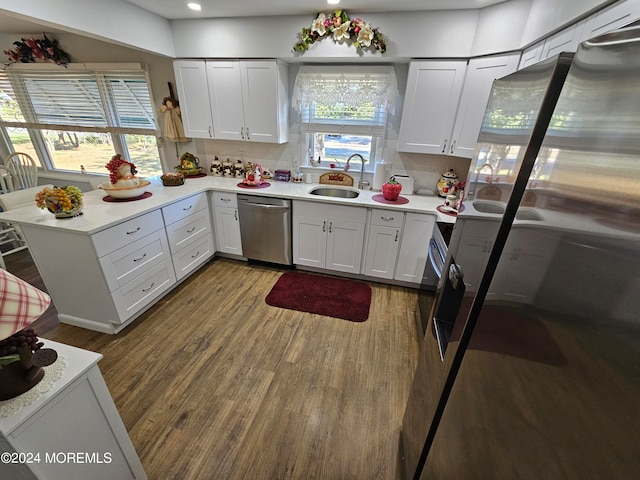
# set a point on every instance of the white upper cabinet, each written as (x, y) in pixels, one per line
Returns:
(234, 100)
(430, 104)
(481, 73)
(445, 103)
(615, 16)
(249, 100)
(567, 40)
(193, 94)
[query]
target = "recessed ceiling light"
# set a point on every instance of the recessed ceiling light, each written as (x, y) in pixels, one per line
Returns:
(197, 7)
(333, 2)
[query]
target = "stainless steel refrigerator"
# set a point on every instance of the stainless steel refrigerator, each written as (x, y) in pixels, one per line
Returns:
(530, 365)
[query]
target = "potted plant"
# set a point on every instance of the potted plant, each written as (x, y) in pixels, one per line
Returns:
(391, 189)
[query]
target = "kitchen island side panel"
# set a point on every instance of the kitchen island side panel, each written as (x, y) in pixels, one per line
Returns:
(69, 267)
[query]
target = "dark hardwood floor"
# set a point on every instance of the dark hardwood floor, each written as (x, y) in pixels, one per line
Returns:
(213, 383)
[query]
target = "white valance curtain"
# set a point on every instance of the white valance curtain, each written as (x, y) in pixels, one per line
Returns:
(351, 86)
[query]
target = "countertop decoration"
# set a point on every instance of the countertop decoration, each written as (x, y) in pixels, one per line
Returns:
(173, 129)
(63, 202)
(22, 357)
(29, 50)
(337, 24)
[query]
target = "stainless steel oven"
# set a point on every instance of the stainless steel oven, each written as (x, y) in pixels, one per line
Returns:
(436, 264)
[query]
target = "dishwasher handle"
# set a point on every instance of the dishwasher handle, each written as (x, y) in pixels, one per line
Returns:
(266, 206)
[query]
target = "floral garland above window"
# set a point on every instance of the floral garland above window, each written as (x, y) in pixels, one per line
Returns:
(337, 24)
(32, 49)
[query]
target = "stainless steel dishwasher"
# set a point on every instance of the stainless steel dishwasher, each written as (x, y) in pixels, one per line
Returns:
(265, 228)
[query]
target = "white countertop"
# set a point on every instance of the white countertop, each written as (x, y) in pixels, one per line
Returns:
(77, 361)
(99, 215)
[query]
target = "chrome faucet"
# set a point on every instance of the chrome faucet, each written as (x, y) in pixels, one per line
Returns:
(475, 183)
(362, 182)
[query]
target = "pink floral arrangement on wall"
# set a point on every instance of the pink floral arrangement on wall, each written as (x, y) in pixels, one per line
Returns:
(30, 50)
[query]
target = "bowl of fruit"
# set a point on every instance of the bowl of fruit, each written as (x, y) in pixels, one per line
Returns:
(63, 202)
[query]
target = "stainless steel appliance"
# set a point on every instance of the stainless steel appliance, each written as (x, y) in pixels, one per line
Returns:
(265, 228)
(540, 373)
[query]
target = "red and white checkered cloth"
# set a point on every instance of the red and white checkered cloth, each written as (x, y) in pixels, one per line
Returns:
(20, 304)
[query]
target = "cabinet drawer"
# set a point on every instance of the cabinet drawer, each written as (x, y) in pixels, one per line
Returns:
(117, 237)
(185, 231)
(180, 209)
(193, 255)
(386, 218)
(328, 211)
(143, 290)
(126, 263)
(223, 199)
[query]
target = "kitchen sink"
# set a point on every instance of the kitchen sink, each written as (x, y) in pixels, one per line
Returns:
(335, 192)
(487, 206)
(528, 214)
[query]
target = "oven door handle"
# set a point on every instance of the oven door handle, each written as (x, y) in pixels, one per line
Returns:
(436, 268)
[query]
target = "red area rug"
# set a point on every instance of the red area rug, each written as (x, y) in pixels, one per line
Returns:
(323, 295)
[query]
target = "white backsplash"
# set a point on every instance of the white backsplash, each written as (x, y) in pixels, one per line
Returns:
(425, 169)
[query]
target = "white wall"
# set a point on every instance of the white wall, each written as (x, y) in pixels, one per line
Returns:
(115, 21)
(414, 34)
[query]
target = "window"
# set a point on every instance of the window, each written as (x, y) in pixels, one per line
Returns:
(79, 117)
(343, 111)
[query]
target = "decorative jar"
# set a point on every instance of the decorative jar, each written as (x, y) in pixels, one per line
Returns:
(447, 183)
(391, 189)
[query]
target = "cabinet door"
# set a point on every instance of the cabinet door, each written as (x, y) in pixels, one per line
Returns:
(566, 40)
(523, 265)
(382, 251)
(617, 15)
(414, 250)
(472, 248)
(227, 230)
(193, 94)
(260, 94)
(309, 241)
(345, 241)
(481, 73)
(531, 55)
(225, 89)
(430, 105)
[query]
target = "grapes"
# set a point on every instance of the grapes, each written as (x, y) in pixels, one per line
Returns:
(22, 339)
(56, 199)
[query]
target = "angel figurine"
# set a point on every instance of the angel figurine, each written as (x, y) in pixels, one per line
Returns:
(173, 129)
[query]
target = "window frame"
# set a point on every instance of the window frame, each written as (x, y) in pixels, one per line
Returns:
(104, 76)
(311, 124)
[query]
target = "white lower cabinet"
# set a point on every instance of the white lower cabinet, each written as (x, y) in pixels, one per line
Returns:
(328, 236)
(189, 233)
(71, 431)
(414, 249)
(472, 246)
(523, 265)
(105, 280)
(226, 221)
(383, 242)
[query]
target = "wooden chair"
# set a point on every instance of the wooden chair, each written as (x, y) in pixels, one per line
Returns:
(11, 239)
(23, 170)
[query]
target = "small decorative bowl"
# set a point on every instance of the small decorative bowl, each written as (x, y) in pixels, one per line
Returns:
(188, 172)
(125, 192)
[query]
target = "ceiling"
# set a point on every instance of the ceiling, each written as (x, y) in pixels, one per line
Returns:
(177, 9)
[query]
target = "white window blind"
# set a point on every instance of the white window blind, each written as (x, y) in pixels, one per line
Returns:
(340, 99)
(77, 99)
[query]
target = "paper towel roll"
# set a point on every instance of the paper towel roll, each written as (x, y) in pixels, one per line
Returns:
(380, 175)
